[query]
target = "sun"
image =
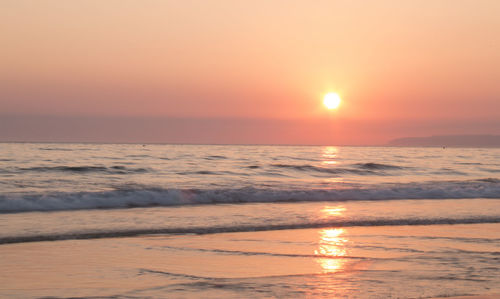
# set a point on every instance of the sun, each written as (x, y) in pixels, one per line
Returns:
(331, 100)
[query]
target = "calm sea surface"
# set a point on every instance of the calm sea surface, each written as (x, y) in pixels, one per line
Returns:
(222, 221)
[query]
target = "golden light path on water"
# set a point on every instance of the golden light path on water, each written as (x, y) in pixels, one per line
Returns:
(329, 155)
(332, 243)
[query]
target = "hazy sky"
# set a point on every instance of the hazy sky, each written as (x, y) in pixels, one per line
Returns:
(247, 71)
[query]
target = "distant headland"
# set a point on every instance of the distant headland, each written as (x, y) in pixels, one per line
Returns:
(449, 141)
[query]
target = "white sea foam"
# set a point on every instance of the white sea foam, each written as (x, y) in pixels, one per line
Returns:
(141, 197)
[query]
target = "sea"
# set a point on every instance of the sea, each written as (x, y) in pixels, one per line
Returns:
(82, 220)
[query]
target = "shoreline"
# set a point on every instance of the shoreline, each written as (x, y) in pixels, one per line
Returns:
(485, 296)
(314, 262)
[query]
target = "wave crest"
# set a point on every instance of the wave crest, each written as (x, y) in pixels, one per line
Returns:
(118, 169)
(146, 197)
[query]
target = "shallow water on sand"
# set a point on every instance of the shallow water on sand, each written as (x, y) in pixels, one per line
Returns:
(384, 249)
(355, 262)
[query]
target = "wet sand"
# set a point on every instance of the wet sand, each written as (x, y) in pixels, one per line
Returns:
(490, 296)
(356, 262)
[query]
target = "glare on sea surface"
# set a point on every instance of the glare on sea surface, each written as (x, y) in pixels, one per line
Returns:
(332, 242)
(329, 155)
(331, 250)
(333, 211)
(331, 100)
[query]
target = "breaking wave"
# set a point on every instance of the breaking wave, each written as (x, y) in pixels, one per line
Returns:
(372, 165)
(112, 169)
(369, 168)
(148, 197)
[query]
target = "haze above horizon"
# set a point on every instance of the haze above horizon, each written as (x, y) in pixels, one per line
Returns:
(248, 72)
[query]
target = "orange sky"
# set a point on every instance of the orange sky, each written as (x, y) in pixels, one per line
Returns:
(427, 67)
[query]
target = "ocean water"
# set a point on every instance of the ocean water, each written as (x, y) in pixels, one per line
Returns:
(53, 177)
(212, 221)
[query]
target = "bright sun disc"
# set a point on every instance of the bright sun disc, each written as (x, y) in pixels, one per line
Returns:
(331, 100)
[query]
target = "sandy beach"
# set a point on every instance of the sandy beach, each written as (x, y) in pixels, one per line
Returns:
(306, 263)
(489, 296)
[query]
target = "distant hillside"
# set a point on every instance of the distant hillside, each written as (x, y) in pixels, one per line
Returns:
(449, 141)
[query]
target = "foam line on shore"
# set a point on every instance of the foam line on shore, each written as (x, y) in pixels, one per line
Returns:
(242, 228)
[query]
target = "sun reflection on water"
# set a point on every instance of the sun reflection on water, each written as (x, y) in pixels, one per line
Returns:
(332, 242)
(329, 160)
(331, 250)
(329, 211)
(329, 155)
